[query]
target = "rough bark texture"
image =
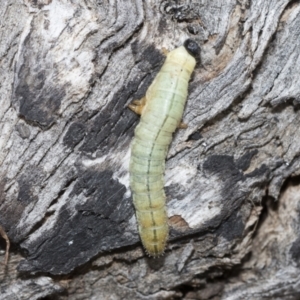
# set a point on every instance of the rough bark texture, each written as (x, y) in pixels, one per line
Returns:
(68, 71)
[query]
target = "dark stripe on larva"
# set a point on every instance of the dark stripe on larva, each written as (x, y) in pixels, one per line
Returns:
(148, 188)
(150, 157)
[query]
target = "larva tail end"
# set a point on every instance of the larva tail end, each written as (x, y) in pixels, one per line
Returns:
(156, 249)
(155, 255)
(192, 48)
(154, 238)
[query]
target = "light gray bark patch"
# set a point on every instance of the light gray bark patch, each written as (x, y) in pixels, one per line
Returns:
(97, 225)
(31, 288)
(23, 130)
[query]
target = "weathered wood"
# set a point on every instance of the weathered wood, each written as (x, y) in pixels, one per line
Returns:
(68, 72)
(13, 286)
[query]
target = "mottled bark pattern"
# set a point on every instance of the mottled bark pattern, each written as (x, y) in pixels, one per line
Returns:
(68, 71)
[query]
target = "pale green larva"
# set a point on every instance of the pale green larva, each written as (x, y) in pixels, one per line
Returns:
(161, 112)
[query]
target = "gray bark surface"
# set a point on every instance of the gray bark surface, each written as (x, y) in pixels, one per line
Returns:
(68, 71)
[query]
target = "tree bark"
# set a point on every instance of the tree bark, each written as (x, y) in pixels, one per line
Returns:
(68, 71)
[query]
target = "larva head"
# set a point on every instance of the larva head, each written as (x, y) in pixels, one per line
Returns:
(192, 48)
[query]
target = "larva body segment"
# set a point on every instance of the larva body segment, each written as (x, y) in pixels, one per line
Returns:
(161, 112)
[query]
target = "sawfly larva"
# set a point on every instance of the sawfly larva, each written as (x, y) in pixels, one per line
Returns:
(161, 111)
